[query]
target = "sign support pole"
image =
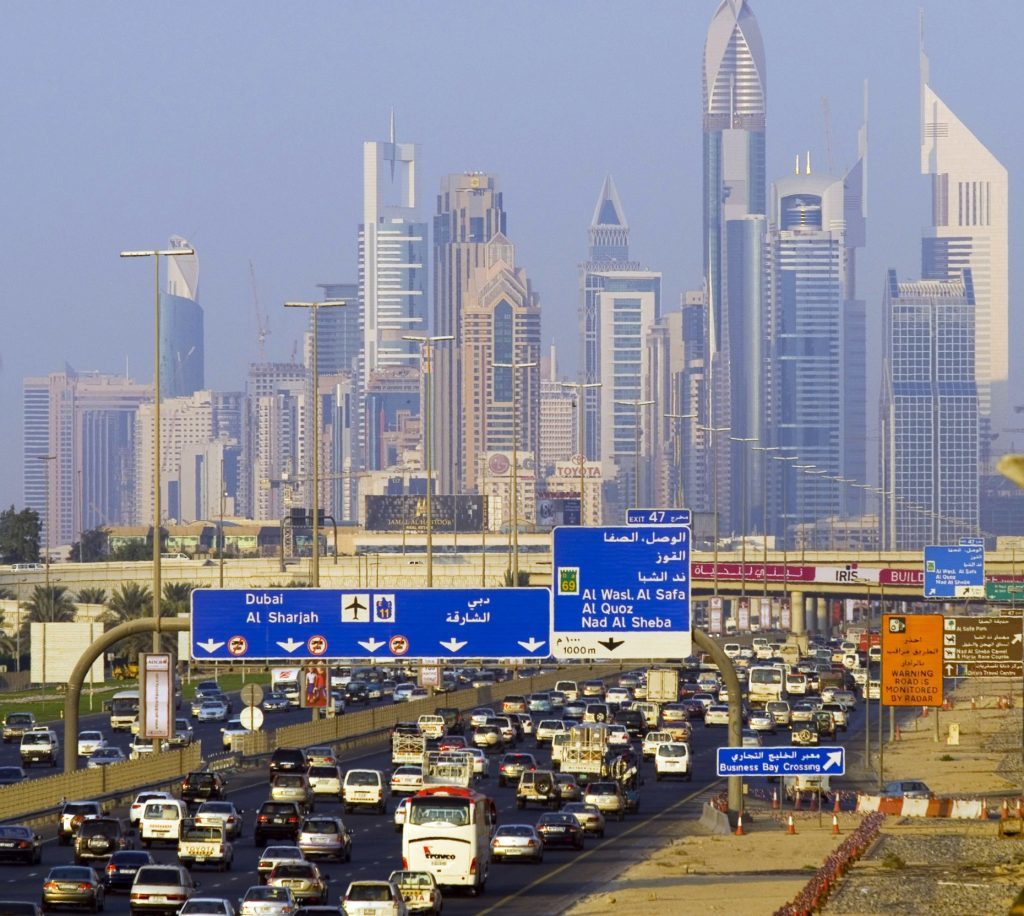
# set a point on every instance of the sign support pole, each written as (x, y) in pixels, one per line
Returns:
(881, 711)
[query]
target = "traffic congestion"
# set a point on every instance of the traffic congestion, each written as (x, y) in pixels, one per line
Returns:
(528, 802)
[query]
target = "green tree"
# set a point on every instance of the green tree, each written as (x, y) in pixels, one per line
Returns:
(130, 601)
(91, 595)
(134, 550)
(49, 606)
(177, 598)
(92, 548)
(19, 536)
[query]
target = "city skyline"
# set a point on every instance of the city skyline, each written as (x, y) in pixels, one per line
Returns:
(227, 366)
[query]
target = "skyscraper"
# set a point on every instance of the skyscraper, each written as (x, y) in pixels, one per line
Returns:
(734, 106)
(969, 229)
(392, 255)
(182, 359)
(469, 214)
(929, 413)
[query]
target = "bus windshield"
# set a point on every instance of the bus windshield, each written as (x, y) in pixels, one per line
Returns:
(124, 705)
(454, 812)
(765, 676)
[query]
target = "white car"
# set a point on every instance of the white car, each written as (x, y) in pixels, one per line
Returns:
(406, 780)
(403, 692)
(672, 759)
(220, 814)
(141, 747)
(231, 730)
(616, 696)
(401, 809)
(207, 906)
(481, 762)
(618, 736)
(751, 738)
(839, 714)
(89, 742)
(271, 855)
(262, 900)
(547, 729)
(480, 715)
(717, 714)
(325, 780)
(779, 710)
(760, 720)
(139, 805)
(373, 898)
(652, 740)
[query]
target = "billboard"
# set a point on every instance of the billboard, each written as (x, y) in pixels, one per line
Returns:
(409, 513)
(314, 687)
(553, 511)
(56, 649)
(156, 709)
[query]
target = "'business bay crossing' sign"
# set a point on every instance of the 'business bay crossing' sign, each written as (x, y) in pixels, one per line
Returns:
(781, 761)
(621, 592)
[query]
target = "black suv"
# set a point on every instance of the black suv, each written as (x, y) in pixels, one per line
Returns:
(633, 719)
(100, 838)
(280, 820)
(202, 786)
(453, 721)
(357, 692)
(289, 760)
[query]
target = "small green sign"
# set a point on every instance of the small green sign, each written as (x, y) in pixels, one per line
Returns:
(1004, 591)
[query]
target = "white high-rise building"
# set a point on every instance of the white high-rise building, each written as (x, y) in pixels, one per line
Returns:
(969, 229)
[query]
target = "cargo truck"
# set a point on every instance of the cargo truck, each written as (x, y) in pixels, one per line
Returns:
(583, 754)
(662, 685)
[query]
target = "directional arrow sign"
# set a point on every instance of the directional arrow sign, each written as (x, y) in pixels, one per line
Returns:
(294, 623)
(781, 761)
(621, 592)
(532, 645)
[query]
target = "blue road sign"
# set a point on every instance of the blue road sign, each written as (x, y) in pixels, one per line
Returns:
(954, 572)
(658, 517)
(621, 593)
(781, 761)
(297, 623)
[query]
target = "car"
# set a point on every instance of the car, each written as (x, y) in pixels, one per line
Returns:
(19, 843)
(364, 788)
(70, 817)
(559, 829)
(407, 779)
(676, 712)
(618, 737)
(100, 838)
(202, 785)
(277, 819)
(487, 737)
(275, 701)
(272, 855)
(523, 723)
(403, 692)
(651, 741)
(292, 787)
(540, 703)
(212, 711)
(452, 743)
(11, 776)
(616, 696)
(481, 762)
(839, 714)
(183, 735)
(160, 889)
(537, 786)
(607, 796)
(760, 720)
(76, 886)
(633, 720)
(373, 898)
(717, 714)
(511, 766)
(231, 730)
(143, 747)
(139, 804)
(207, 906)
(90, 741)
(16, 724)
(573, 710)
(304, 879)
(517, 841)
(356, 692)
(514, 703)
(419, 890)
(673, 758)
(105, 756)
(589, 817)
(803, 734)
(547, 729)
(119, 872)
(267, 901)
(780, 711)
(480, 715)
(39, 745)
(678, 731)
(802, 713)
(401, 809)
(321, 755)
(162, 820)
(221, 814)
(505, 725)
(374, 690)
(568, 789)
(325, 781)
(824, 723)
(750, 738)
(326, 837)
(592, 688)
(205, 844)
(906, 788)
(288, 760)
(453, 721)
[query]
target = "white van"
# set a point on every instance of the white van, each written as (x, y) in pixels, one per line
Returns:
(162, 820)
(569, 688)
(672, 759)
(365, 788)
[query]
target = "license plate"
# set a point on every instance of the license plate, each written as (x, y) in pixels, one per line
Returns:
(278, 820)
(6, 845)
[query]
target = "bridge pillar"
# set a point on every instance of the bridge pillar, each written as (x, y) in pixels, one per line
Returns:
(798, 623)
(821, 615)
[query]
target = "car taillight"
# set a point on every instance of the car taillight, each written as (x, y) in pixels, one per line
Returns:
(405, 863)
(293, 819)
(472, 866)
(52, 885)
(111, 868)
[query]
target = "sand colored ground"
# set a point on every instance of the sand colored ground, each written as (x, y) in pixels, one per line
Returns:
(760, 872)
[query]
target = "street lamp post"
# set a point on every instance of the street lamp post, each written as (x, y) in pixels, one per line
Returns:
(679, 454)
(49, 522)
(426, 345)
(579, 388)
(637, 406)
(515, 367)
(314, 308)
(220, 555)
(156, 254)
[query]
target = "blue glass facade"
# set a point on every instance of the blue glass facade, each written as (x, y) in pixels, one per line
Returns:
(182, 361)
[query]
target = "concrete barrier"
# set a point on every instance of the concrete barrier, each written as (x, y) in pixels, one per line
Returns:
(955, 808)
(714, 821)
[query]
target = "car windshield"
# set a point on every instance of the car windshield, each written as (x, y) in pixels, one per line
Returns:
(267, 893)
(158, 876)
(515, 830)
(293, 870)
(369, 892)
(11, 832)
(156, 811)
(70, 873)
(357, 778)
(320, 826)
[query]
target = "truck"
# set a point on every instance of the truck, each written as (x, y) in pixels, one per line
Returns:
(583, 754)
(662, 685)
(447, 768)
(407, 749)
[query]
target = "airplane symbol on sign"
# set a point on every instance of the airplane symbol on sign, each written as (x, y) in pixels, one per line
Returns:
(351, 605)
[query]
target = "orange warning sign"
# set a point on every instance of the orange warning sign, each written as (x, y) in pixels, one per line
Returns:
(912, 660)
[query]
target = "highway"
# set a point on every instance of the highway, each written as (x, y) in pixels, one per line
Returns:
(562, 879)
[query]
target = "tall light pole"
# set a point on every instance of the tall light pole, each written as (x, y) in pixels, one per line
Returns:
(515, 367)
(49, 522)
(764, 450)
(156, 254)
(782, 519)
(581, 450)
(679, 454)
(426, 345)
(745, 440)
(711, 430)
(314, 308)
(638, 406)
(220, 555)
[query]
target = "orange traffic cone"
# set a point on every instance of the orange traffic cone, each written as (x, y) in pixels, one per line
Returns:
(796, 807)
(835, 807)
(739, 826)
(835, 825)
(790, 828)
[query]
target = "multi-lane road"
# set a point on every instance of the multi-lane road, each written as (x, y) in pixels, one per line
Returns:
(562, 879)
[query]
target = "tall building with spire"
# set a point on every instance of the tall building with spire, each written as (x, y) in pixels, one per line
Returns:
(182, 360)
(969, 229)
(734, 107)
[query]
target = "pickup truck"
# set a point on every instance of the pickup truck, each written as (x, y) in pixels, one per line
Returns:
(584, 752)
(205, 844)
(407, 749)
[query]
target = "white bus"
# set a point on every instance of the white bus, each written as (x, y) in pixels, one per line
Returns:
(765, 683)
(124, 710)
(448, 832)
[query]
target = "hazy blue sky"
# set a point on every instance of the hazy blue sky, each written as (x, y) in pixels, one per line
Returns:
(240, 125)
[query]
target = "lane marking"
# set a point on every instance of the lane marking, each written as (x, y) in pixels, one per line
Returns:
(608, 842)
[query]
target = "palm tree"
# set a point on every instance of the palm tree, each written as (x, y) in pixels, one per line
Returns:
(130, 601)
(6, 594)
(49, 606)
(92, 595)
(177, 597)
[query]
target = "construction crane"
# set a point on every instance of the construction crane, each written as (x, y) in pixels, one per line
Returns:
(262, 326)
(826, 111)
